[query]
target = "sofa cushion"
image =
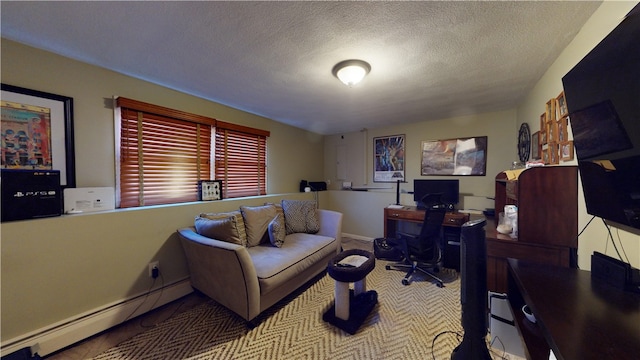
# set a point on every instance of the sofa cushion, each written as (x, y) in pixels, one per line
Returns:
(276, 231)
(224, 229)
(256, 222)
(300, 216)
(239, 230)
(274, 266)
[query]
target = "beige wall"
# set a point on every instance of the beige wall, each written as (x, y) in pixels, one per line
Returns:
(92, 87)
(364, 210)
(605, 19)
(57, 268)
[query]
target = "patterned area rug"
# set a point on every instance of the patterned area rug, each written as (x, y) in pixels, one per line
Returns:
(403, 325)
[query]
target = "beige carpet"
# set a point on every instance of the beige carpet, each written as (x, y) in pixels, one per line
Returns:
(402, 326)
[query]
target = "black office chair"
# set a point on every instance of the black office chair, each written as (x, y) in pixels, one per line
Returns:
(422, 252)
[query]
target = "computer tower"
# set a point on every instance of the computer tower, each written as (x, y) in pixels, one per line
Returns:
(29, 194)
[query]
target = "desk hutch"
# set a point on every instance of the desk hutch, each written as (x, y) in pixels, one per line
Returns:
(547, 201)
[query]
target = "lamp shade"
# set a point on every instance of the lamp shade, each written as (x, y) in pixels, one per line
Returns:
(351, 72)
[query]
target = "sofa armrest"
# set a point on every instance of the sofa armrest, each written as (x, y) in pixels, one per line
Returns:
(223, 271)
(331, 225)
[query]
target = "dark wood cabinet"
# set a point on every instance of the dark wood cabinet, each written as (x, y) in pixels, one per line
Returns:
(547, 201)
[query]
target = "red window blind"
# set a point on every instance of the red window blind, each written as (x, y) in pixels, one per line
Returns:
(241, 160)
(163, 154)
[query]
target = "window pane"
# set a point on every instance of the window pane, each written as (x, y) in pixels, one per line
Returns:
(162, 159)
(240, 162)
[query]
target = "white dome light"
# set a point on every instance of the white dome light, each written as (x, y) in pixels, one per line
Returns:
(351, 72)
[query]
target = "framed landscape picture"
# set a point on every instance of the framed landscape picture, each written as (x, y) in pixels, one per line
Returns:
(464, 156)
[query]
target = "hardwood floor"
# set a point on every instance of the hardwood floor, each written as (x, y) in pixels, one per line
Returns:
(98, 343)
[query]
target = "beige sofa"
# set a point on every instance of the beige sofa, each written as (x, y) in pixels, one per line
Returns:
(249, 279)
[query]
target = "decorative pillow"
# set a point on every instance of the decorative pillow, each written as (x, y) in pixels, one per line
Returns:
(277, 231)
(240, 231)
(224, 229)
(300, 216)
(279, 209)
(256, 222)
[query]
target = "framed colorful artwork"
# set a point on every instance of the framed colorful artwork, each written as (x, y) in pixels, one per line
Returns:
(389, 158)
(37, 132)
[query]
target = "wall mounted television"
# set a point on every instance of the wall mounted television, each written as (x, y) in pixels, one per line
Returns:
(603, 98)
(448, 188)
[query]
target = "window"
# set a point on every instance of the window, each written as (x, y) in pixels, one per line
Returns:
(164, 152)
(240, 160)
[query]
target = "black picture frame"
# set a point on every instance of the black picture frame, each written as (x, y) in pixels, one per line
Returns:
(61, 123)
(209, 190)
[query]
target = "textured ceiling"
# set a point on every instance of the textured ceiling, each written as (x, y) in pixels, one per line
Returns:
(430, 60)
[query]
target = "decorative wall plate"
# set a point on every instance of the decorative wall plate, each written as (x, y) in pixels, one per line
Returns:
(524, 142)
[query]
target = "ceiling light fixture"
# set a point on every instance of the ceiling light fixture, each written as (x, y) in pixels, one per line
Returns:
(351, 72)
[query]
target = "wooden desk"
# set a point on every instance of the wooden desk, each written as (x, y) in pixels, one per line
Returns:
(577, 318)
(413, 214)
(452, 223)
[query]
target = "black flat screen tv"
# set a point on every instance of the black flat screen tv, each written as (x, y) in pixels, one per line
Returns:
(602, 93)
(449, 190)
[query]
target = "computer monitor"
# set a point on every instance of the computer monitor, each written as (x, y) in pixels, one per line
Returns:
(448, 190)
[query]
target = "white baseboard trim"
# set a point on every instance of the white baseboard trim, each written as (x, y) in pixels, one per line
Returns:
(357, 237)
(57, 336)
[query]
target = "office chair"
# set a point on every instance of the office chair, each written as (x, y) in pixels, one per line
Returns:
(422, 252)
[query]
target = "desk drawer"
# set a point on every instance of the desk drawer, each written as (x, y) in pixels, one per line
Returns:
(405, 214)
(455, 219)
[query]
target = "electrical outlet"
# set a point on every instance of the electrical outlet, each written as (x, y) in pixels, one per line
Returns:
(153, 265)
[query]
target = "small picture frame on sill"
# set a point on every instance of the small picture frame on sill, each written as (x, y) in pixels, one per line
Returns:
(209, 190)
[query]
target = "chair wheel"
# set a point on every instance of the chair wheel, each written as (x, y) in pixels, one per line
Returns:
(405, 282)
(388, 267)
(440, 285)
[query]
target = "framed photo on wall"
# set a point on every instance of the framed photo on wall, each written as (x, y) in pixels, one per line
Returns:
(561, 104)
(563, 134)
(37, 130)
(464, 156)
(535, 145)
(566, 150)
(389, 158)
